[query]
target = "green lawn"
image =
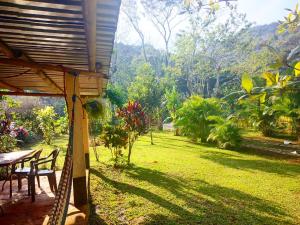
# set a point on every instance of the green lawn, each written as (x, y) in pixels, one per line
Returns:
(177, 182)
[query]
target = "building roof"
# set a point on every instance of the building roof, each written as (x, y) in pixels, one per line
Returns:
(40, 40)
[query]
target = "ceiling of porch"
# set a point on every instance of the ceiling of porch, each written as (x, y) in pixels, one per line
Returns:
(73, 34)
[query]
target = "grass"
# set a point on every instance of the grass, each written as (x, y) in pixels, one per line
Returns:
(178, 182)
(58, 142)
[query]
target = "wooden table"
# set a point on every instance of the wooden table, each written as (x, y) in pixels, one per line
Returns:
(9, 160)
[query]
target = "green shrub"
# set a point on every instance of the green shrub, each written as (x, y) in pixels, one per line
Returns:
(46, 117)
(115, 138)
(225, 134)
(7, 143)
(194, 117)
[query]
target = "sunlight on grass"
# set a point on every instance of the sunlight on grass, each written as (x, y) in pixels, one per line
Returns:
(178, 182)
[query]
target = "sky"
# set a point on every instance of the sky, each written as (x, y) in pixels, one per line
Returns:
(265, 11)
(257, 11)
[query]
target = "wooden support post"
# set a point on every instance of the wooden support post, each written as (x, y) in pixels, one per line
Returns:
(85, 132)
(79, 167)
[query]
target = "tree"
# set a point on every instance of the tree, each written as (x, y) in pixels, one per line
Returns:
(196, 116)
(164, 15)
(46, 117)
(130, 10)
(173, 103)
(147, 91)
(115, 138)
(135, 123)
(95, 109)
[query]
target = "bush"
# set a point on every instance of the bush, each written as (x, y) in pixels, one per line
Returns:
(115, 138)
(62, 125)
(135, 123)
(21, 134)
(225, 134)
(7, 143)
(46, 117)
(194, 117)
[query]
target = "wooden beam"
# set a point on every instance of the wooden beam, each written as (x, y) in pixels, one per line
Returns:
(90, 25)
(10, 54)
(79, 165)
(51, 67)
(6, 50)
(16, 93)
(90, 18)
(10, 87)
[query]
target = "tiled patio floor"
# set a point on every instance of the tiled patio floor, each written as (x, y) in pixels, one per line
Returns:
(19, 210)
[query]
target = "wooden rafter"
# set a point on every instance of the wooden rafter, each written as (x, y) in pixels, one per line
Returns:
(44, 66)
(8, 52)
(10, 87)
(90, 25)
(21, 93)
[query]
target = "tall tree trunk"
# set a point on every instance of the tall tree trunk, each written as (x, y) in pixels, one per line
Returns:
(130, 144)
(150, 128)
(95, 149)
(151, 135)
(144, 50)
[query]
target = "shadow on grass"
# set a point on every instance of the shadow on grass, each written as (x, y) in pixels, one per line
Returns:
(131, 189)
(203, 203)
(280, 168)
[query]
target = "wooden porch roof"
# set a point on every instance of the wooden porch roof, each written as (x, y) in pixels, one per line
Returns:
(39, 39)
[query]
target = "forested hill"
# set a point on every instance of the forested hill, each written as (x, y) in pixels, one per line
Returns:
(205, 65)
(264, 32)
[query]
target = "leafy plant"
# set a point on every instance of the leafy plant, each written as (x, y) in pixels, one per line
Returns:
(95, 130)
(115, 138)
(193, 117)
(225, 133)
(173, 103)
(135, 123)
(94, 108)
(146, 90)
(46, 117)
(7, 143)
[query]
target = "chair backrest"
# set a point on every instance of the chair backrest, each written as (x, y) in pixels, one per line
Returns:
(37, 154)
(54, 154)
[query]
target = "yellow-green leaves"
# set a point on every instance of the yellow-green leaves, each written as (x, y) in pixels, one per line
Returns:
(247, 83)
(262, 98)
(284, 81)
(297, 69)
(270, 78)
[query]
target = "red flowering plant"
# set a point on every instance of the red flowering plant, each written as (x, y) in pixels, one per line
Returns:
(20, 133)
(135, 123)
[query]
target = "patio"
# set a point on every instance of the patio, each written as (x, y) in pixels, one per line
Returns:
(20, 210)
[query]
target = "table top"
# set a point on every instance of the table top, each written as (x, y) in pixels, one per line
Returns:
(11, 158)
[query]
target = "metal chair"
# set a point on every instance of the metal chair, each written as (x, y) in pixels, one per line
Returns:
(50, 173)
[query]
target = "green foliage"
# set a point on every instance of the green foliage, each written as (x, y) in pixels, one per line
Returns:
(115, 138)
(194, 117)
(247, 83)
(7, 143)
(146, 89)
(173, 101)
(46, 117)
(226, 134)
(135, 123)
(291, 22)
(116, 95)
(95, 108)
